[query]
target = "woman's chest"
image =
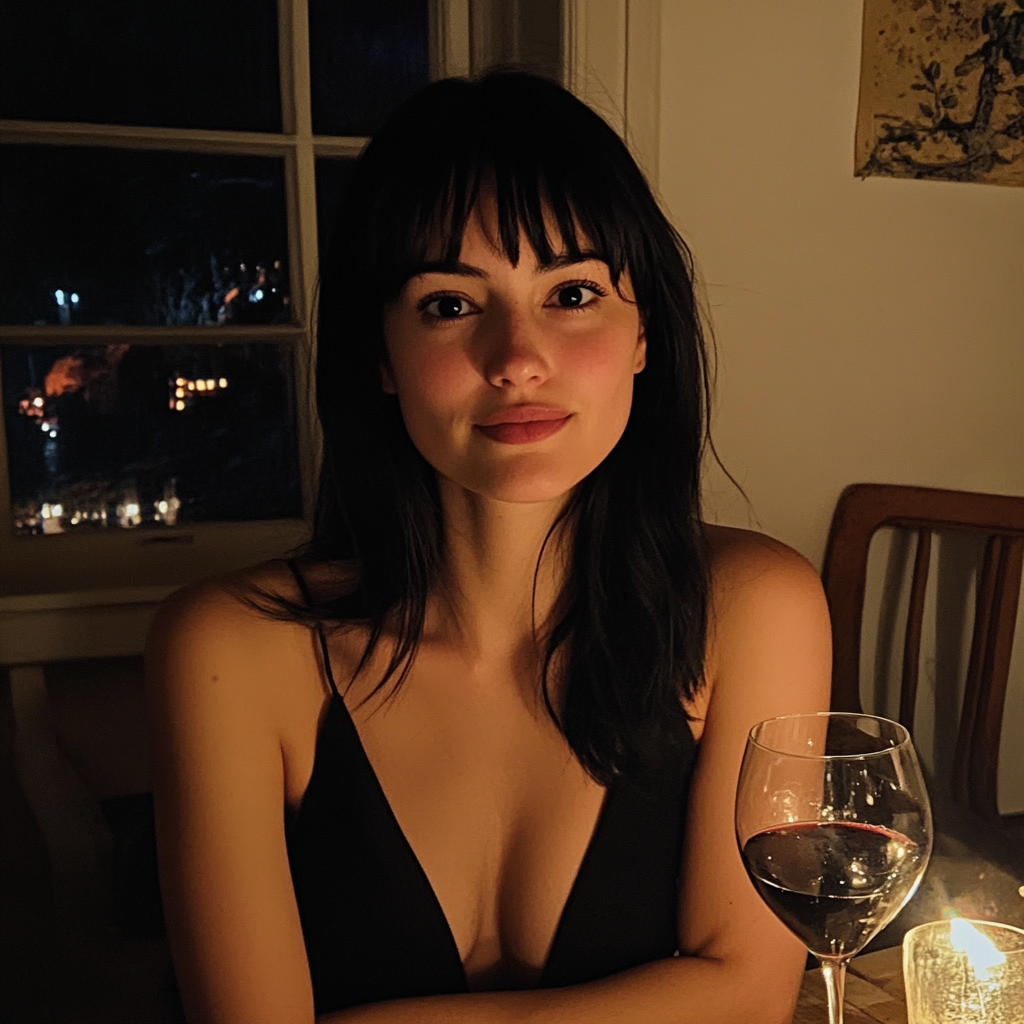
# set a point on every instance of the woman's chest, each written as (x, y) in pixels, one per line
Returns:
(499, 816)
(483, 793)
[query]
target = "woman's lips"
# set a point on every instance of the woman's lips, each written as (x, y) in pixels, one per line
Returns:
(523, 424)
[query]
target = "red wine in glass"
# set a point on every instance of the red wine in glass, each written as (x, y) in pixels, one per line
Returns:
(832, 882)
(834, 828)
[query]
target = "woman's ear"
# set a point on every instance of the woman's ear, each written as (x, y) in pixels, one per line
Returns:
(640, 357)
(387, 380)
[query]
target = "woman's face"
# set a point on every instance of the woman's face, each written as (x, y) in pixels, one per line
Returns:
(514, 382)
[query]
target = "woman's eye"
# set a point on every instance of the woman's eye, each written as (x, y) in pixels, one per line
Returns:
(447, 307)
(572, 296)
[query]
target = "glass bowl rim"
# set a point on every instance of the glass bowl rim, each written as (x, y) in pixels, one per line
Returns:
(927, 926)
(905, 740)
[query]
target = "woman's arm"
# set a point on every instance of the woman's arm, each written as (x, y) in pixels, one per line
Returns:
(219, 789)
(769, 653)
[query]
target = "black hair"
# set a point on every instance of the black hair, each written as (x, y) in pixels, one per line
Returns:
(627, 633)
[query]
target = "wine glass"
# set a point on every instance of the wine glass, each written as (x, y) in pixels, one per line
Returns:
(835, 830)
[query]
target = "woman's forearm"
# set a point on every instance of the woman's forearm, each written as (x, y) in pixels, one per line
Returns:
(678, 990)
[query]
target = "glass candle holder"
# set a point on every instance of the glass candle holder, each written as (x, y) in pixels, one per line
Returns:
(964, 972)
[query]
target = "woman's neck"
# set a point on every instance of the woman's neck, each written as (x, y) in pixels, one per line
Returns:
(487, 604)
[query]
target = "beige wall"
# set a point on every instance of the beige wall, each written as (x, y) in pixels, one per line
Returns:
(867, 330)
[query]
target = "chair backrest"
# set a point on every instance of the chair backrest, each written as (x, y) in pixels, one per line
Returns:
(864, 508)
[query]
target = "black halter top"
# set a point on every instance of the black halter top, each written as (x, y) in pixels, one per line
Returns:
(373, 927)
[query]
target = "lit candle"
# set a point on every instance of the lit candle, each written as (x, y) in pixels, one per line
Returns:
(964, 972)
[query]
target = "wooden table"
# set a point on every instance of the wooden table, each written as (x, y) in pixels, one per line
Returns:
(874, 992)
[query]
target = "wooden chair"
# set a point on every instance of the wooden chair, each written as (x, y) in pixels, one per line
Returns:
(864, 508)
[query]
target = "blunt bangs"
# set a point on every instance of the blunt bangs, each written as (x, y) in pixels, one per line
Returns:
(546, 160)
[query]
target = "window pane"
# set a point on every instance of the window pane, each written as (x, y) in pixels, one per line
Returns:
(110, 236)
(332, 177)
(122, 435)
(187, 64)
(367, 56)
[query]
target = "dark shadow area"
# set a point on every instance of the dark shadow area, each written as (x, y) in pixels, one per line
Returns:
(95, 955)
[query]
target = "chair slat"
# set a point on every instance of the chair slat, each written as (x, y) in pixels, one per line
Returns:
(985, 594)
(984, 749)
(912, 638)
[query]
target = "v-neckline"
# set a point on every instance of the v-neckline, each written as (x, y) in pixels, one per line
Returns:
(599, 825)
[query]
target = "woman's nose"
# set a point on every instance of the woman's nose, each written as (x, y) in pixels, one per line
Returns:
(514, 355)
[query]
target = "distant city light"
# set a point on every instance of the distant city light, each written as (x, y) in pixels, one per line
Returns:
(131, 509)
(53, 433)
(162, 507)
(258, 295)
(57, 511)
(45, 511)
(37, 402)
(59, 296)
(74, 298)
(182, 391)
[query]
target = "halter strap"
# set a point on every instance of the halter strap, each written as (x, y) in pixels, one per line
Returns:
(325, 656)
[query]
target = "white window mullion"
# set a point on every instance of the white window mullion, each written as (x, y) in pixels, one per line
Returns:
(300, 182)
(134, 334)
(612, 56)
(115, 136)
(449, 38)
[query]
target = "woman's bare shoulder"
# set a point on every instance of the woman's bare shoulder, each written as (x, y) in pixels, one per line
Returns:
(742, 561)
(730, 545)
(762, 591)
(230, 599)
(244, 628)
(251, 599)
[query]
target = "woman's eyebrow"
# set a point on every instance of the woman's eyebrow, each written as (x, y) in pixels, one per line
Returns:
(565, 259)
(446, 267)
(460, 269)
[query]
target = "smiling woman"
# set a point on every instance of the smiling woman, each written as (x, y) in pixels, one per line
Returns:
(518, 801)
(489, 359)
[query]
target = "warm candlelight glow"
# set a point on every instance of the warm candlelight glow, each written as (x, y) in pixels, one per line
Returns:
(982, 955)
(964, 972)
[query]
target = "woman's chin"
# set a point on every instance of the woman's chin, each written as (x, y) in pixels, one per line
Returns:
(521, 485)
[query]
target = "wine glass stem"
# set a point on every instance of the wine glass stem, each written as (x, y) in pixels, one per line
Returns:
(834, 973)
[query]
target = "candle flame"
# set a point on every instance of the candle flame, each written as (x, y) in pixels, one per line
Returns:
(981, 952)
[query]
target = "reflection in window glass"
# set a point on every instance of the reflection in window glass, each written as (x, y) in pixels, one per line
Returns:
(112, 236)
(367, 56)
(186, 64)
(332, 177)
(118, 435)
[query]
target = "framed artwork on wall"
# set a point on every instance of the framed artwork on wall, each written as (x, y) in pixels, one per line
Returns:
(942, 91)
